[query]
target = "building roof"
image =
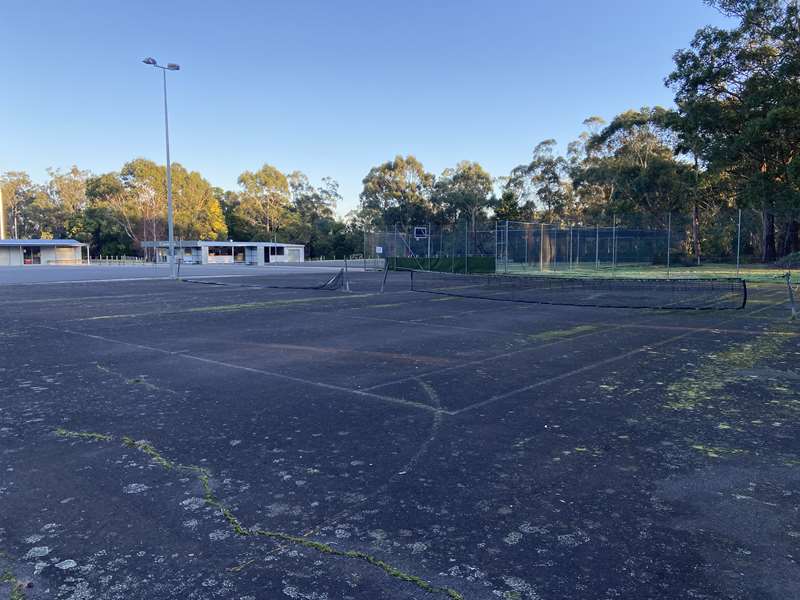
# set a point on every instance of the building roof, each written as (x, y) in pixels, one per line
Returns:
(15, 243)
(197, 243)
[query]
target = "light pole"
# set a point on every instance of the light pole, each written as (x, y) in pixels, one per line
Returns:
(170, 218)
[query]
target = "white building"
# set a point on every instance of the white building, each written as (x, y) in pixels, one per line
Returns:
(41, 252)
(243, 253)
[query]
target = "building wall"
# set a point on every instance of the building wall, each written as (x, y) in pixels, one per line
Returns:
(10, 257)
(49, 255)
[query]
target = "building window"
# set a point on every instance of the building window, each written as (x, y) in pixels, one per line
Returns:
(32, 255)
(276, 250)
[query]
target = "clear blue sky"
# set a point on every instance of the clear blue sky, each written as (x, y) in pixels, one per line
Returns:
(329, 88)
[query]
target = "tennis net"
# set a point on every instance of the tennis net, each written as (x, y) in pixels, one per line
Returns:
(675, 294)
(294, 281)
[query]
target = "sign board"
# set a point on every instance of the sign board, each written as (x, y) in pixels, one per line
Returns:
(378, 249)
(420, 232)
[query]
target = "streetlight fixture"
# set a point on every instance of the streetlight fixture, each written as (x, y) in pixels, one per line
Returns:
(170, 216)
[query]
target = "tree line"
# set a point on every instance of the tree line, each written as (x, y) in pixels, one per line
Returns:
(729, 143)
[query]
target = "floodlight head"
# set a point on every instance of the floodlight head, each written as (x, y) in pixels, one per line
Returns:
(173, 67)
(149, 61)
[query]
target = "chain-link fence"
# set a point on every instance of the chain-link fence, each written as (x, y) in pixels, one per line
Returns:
(709, 243)
(560, 247)
(459, 248)
(718, 243)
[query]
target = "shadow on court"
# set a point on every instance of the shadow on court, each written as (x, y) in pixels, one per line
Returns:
(254, 440)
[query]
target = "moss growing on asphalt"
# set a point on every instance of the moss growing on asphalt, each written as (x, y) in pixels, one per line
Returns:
(717, 451)
(83, 435)
(707, 383)
(16, 591)
(556, 334)
(204, 477)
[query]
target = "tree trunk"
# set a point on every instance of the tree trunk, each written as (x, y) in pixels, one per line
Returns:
(696, 230)
(768, 237)
(792, 243)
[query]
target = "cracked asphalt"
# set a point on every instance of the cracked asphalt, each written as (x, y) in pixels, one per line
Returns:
(396, 446)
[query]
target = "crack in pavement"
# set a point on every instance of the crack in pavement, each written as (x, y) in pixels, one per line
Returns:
(204, 476)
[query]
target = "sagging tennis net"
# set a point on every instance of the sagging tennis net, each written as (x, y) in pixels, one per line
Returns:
(289, 282)
(675, 294)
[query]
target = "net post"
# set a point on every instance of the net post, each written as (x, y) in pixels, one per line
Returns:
(346, 276)
(669, 239)
(738, 241)
(792, 304)
(385, 274)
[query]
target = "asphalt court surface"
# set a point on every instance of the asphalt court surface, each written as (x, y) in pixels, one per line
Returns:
(169, 439)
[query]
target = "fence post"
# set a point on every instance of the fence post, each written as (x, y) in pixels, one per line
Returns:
(597, 247)
(506, 261)
(526, 245)
(570, 247)
(496, 243)
(555, 247)
(466, 245)
(578, 253)
(614, 247)
(429, 246)
(394, 250)
(738, 241)
(541, 247)
(669, 239)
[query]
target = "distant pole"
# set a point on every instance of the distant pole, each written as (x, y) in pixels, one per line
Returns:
(669, 239)
(738, 241)
(578, 253)
(170, 213)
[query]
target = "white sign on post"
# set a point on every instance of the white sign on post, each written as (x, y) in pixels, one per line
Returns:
(378, 249)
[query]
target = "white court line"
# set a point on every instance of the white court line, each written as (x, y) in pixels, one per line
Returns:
(594, 365)
(182, 354)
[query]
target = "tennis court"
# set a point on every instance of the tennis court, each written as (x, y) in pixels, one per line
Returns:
(260, 438)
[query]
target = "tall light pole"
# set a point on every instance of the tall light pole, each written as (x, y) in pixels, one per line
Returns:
(170, 216)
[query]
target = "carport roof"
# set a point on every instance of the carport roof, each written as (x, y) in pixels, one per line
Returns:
(227, 244)
(15, 243)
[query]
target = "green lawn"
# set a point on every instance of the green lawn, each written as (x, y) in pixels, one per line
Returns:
(706, 271)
